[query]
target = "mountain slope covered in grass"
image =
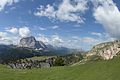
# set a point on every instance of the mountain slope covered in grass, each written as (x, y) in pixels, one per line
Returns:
(95, 70)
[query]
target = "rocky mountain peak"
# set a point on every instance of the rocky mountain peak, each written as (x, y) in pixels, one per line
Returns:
(31, 42)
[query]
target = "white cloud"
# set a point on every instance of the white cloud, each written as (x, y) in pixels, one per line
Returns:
(42, 29)
(96, 34)
(88, 40)
(49, 11)
(3, 3)
(24, 32)
(107, 13)
(14, 38)
(55, 27)
(4, 39)
(5, 42)
(66, 11)
(56, 40)
(43, 38)
(12, 30)
(2, 35)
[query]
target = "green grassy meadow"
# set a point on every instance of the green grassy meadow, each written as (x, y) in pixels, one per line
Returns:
(98, 70)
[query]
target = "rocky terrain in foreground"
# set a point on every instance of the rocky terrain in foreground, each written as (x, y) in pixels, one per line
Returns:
(105, 50)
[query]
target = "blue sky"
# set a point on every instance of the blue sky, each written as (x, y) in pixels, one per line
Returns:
(69, 23)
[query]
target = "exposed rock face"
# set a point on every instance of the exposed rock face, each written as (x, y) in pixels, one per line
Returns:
(31, 42)
(28, 64)
(105, 50)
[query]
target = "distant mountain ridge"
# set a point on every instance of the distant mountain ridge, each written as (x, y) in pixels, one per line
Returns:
(30, 47)
(104, 50)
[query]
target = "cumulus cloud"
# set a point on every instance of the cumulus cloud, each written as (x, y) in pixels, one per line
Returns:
(24, 32)
(107, 13)
(68, 10)
(12, 30)
(17, 34)
(56, 40)
(55, 27)
(4, 39)
(3, 3)
(43, 38)
(2, 35)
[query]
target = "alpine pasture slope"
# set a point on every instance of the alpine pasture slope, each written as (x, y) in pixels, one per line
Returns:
(96, 70)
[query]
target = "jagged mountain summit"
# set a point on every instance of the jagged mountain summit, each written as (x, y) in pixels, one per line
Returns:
(31, 42)
(105, 50)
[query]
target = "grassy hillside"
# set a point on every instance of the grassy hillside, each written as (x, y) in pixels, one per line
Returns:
(99, 70)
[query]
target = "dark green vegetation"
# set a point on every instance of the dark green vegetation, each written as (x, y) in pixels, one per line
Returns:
(68, 59)
(22, 57)
(94, 70)
(13, 52)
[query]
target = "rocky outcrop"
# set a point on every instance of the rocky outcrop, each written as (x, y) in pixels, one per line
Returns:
(105, 50)
(28, 64)
(31, 42)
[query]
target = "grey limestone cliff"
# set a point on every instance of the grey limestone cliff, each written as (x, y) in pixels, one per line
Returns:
(105, 50)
